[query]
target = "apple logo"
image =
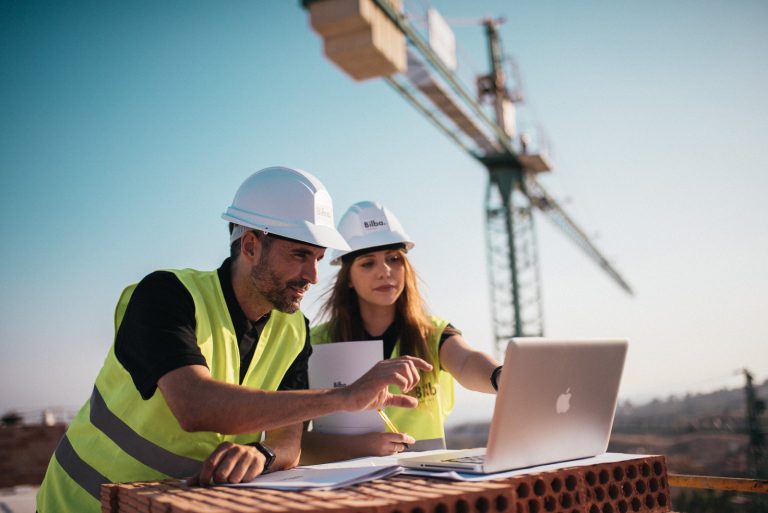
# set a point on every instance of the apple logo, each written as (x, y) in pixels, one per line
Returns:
(563, 403)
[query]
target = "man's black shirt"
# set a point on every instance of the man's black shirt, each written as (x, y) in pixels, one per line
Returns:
(157, 333)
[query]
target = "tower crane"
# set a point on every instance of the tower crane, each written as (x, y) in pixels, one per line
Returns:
(375, 38)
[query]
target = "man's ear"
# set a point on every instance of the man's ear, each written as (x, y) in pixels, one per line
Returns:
(250, 246)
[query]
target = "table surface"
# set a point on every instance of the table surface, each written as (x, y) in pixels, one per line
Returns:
(636, 485)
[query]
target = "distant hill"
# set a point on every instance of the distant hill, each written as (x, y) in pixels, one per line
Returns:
(719, 411)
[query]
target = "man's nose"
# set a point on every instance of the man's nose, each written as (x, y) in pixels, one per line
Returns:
(309, 272)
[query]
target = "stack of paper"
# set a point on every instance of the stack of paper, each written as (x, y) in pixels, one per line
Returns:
(321, 477)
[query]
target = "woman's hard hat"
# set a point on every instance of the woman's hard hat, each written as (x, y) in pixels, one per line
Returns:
(368, 224)
(287, 202)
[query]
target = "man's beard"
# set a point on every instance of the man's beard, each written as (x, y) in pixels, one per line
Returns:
(271, 288)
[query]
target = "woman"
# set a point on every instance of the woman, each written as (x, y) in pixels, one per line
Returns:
(375, 296)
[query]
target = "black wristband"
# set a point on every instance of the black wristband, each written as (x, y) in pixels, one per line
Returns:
(495, 377)
(268, 455)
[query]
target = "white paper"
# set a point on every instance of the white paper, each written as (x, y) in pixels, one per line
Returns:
(337, 365)
(317, 478)
(329, 476)
(608, 457)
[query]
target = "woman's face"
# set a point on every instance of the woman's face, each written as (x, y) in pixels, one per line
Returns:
(378, 277)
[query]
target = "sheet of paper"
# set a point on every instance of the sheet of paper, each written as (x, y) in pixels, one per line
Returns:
(608, 457)
(315, 478)
(329, 476)
(337, 365)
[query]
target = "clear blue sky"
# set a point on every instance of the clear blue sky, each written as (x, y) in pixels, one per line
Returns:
(126, 127)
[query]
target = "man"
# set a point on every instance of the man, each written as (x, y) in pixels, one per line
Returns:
(204, 362)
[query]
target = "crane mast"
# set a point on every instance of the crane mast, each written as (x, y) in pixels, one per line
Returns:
(513, 266)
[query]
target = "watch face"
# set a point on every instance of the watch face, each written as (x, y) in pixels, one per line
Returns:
(268, 454)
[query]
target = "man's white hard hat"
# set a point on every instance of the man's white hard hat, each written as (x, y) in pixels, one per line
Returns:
(368, 224)
(287, 202)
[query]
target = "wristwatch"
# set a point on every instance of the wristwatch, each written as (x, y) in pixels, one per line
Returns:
(495, 378)
(268, 454)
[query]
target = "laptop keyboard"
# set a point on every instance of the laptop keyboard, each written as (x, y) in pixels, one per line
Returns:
(470, 459)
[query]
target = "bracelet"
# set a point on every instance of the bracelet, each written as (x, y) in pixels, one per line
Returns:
(495, 377)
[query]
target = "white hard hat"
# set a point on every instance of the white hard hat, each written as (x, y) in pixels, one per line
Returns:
(368, 224)
(287, 202)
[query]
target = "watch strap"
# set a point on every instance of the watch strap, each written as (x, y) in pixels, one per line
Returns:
(269, 455)
(495, 378)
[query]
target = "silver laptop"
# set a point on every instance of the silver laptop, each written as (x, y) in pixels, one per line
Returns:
(556, 402)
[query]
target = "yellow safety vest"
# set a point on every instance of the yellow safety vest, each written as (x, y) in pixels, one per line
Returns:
(118, 437)
(434, 392)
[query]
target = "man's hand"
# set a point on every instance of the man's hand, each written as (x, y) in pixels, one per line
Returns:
(372, 389)
(230, 463)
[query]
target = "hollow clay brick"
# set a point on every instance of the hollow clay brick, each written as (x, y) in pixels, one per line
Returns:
(634, 486)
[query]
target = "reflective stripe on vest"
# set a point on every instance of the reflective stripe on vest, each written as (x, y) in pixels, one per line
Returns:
(136, 446)
(428, 445)
(81, 473)
(133, 444)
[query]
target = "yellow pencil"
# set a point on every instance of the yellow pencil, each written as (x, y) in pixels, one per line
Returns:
(387, 421)
(389, 424)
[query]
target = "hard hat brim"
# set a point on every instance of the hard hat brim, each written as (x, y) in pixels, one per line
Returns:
(384, 239)
(300, 230)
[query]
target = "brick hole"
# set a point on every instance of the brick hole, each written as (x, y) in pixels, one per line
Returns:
(578, 499)
(588, 493)
(657, 469)
(462, 506)
(626, 489)
(618, 473)
(570, 483)
(556, 484)
(441, 508)
(607, 507)
(603, 476)
(613, 492)
(417, 510)
(640, 486)
(550, 503)
(636, 504)
(539, 487)
(501, 503)
(653, 484)
(645, 470)
(599, 494)
(482, 505)
(591, 478)
(662, 499)
(523, 490)
(533, 506)
(649, 502)
(594, 509)
(631, 471)
(623, 506)
(566, 500)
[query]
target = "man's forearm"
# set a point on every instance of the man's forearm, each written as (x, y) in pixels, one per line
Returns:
(232, 409)
(286, 444)
(201, 403)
